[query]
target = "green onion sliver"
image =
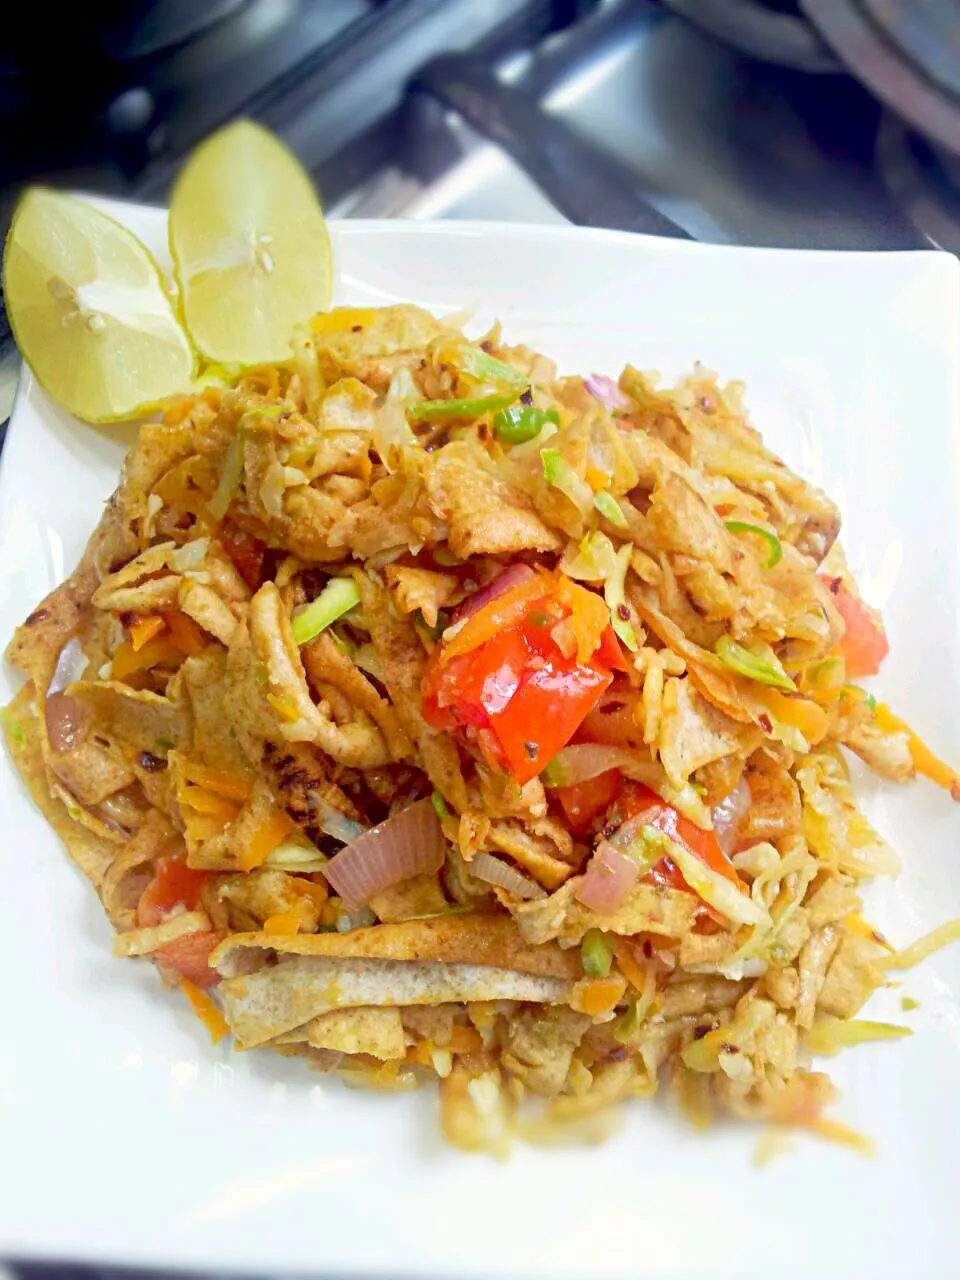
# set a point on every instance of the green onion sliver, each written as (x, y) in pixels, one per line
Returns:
(440, 806)
(765, 670)
(442, 410)
(338, 597)
(743, 526)
(522, 422)
(595, 954)
(487, 368)
(609, 508)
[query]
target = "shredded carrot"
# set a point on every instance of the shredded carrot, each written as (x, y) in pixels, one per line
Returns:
(266, 839)
(927, 763)
(229, 785)
(154, 653)
(206, 1010)
(596, 479)
(627, 962)
(589, 613)
(856, 924)
(207, 802)
(465, 1040)
(185, 633)
(505, 611)
(598, 995)
(143, 629)
(317, 893)
(799, 713)
(284, 924)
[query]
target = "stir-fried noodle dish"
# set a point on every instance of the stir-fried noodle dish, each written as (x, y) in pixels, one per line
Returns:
(421, 712)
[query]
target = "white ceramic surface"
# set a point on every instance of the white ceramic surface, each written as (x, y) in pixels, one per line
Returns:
(124, 1136)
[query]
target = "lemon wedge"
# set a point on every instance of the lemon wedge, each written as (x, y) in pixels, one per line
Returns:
(90, 311)
(250, 246)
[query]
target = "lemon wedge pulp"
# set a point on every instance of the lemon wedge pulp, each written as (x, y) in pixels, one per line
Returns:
(250, 246)
(89, 310)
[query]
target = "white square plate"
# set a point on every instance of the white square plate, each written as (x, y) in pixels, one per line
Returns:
(125, 1137)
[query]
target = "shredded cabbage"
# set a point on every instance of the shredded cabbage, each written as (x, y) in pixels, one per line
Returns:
(229, 483)
(486, 368)
(828, 1036)
(610, 509)
(918, 951)
(613, 593)
(559, 473)
(295, 856)
(714, 889)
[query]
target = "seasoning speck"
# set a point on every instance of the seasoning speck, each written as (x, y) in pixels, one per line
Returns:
(531, 749)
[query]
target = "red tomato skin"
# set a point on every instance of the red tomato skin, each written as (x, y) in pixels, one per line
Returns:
(584, 802)
(245, 551)
(638, 801)
(174, 884)
(864, 644)
(544, 714)
(520, 687)
(188, 957)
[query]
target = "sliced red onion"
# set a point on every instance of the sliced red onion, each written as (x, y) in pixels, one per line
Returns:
(606, 391)
(608, 880)
(405, 845)
(730, 815)
(492, 870)
(71, 665)
(512, 576)
(64, 716)
(583, 761)
(65, 722)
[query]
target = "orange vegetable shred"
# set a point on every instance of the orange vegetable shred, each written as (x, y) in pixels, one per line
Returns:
(266, 840)
(144, 629)
(206, 1010)
(926, 762)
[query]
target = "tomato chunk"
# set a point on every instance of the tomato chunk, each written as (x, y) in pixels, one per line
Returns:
(518, 689)
(174, 884)
(639, 803)
(246, 552)
(864, 644)
(188, 957)
(584, 802)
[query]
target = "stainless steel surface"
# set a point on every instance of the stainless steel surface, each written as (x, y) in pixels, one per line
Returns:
(733, 151)
(585, 181)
